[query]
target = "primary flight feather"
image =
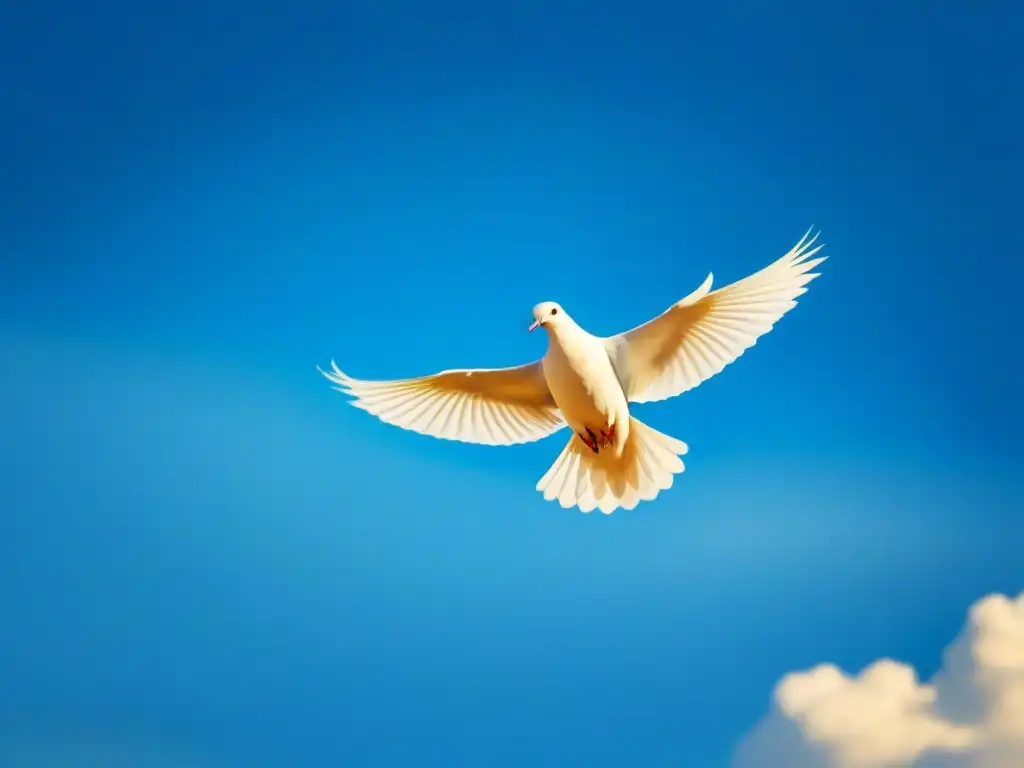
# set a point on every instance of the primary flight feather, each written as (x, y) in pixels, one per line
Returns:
(586, 382)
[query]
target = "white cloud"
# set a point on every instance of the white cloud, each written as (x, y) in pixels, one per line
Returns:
(970, 715)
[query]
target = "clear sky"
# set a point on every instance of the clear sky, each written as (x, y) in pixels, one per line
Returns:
(206, 552)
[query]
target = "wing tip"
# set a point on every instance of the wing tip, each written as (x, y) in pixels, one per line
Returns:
(699, 293)
(804, 257)
(341, 381)
(803, 243)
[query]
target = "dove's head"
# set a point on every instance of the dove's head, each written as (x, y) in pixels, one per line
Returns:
(548, 315)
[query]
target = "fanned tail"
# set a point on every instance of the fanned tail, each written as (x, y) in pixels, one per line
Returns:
(648, 465)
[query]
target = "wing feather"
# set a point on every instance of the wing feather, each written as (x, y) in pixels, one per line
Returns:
(500, 406)
(706, 331)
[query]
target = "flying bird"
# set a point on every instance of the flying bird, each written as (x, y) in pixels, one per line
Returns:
(587, 383)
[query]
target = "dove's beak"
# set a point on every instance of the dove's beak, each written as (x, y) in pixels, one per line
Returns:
(534, 326)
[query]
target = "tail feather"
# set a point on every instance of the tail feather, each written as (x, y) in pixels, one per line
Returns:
(647, 466)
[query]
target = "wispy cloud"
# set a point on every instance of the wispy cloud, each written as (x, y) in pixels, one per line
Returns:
(970, 715)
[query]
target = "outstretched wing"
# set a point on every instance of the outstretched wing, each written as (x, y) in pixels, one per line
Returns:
(701, 334)
(501, 406)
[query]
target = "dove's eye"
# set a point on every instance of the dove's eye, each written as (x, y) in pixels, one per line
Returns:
(554, 311)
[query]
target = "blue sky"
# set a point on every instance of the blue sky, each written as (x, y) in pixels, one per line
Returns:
(206, 552)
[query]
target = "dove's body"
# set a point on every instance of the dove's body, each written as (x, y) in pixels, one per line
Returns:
(584, 386)
(587, 383)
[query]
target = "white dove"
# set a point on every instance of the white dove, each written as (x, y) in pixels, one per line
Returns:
(587, 382)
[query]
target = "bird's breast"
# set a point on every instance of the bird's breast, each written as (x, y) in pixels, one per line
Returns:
(583, 384)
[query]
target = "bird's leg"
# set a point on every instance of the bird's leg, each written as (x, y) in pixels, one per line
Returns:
(591, 441)
(608, 438)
